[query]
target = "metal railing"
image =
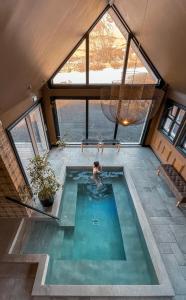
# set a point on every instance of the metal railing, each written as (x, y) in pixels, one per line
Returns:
(31, 207)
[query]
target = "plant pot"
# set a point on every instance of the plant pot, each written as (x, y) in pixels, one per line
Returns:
(47, 202)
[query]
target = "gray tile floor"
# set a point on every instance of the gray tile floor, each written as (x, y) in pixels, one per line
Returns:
(168, 223)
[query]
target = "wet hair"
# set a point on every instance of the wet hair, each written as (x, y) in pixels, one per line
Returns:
(96, 164)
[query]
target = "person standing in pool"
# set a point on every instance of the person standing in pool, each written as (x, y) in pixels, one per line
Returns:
(96, 172)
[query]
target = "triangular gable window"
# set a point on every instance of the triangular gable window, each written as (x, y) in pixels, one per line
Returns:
(107, 44)
(74, 70)
(138, 71)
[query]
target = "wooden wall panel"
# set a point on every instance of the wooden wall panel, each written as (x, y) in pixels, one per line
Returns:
(167, 152)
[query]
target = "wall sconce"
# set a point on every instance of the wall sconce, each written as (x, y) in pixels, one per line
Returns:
(32, 95)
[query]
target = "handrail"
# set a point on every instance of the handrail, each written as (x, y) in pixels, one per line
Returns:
(31, 207)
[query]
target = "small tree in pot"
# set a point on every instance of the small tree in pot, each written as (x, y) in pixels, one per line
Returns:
(43, 179)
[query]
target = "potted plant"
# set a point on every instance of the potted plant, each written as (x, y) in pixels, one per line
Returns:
(43, 179)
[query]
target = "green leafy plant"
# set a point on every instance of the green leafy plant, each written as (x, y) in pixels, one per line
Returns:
(43, 179)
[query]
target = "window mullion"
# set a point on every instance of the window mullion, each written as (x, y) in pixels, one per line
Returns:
(87, 59)
(173, 123)
(124, 74)
(126, 59)
(87, 118)
(31, 133)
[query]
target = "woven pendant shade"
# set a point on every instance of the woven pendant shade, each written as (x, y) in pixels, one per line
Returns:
(129, 104)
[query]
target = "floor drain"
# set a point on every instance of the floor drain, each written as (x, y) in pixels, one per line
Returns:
(95, 222)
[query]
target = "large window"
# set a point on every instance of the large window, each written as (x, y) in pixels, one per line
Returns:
(130, 134)
(22, 141)
(99, 126)
(107, 46)
(138, 71)
(29, 137)
(80, 119)
(172, 120)
(71, 117)
(181, 145)
(100, 57)
(73, 71)
(38, 130)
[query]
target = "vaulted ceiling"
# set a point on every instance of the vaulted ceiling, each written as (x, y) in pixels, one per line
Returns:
(162, 35)
(35, 36)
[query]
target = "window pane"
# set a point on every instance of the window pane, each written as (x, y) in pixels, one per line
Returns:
(184, 144)
(74, 70)
(173, 111)
(130, 134)
(99, 126)
(167, 124)
(180, 116)
(107, 46)
(23, 143)
(174, 130)
(37, 125)
(71, 119)
(138, 72)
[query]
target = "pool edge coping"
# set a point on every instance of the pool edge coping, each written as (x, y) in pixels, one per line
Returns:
(163, 289)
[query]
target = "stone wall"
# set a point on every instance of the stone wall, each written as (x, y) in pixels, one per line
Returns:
(11, 179)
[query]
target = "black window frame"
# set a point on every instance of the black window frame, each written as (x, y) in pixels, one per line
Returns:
(131, 37)
(115, 131)
(160, 82)
(181, 141)
(168, 105)
(14, 123)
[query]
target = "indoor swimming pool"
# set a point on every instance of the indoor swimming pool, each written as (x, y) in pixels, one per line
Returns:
(98, 240)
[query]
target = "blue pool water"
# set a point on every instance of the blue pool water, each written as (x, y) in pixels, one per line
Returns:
(98, 240)
(97, 234)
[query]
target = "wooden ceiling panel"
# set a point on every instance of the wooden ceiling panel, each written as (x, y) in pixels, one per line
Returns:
(36, 36)
(162, 35)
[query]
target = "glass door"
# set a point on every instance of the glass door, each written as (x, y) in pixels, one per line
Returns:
(23, 144)
(37, 126)
(29, 137)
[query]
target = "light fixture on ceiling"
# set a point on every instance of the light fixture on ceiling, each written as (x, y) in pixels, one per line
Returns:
(32, 95)
(129, 105)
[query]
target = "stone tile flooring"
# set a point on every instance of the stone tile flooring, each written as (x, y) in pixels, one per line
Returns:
(168, 223)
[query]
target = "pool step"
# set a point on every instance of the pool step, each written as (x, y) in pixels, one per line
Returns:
(97, 272)
(129, 230)
(67, 214)
(45, 237)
